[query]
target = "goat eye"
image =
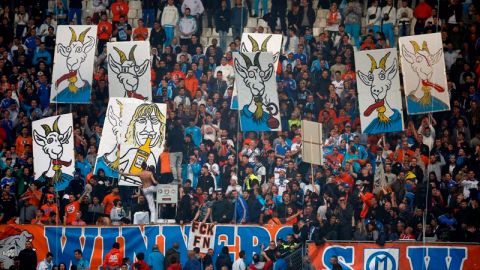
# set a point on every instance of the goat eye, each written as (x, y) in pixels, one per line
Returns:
(251, 74)
(382, 76)
(370, 77)
(262, 73)
(49, 140)
(419, 59)
(68, 49)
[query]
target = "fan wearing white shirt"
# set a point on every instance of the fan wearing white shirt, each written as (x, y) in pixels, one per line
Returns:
(239, 264)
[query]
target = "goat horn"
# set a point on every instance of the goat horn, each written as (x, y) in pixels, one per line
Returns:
(425, 47)
(256, 61)
(122, 55)
(264, 44)
(374, 63)
(254, 44)
(55, 125)
(74, 35)
(383, 61)
(416, 48)
(81, 38)
(247, 60)
(131, 55)
(47, 129)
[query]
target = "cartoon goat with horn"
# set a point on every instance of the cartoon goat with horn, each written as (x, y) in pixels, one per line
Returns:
(263, 48)
(128, 72)
(75, 52)
(379, 78)
(422, 63)
(253, 115)
(52, 144)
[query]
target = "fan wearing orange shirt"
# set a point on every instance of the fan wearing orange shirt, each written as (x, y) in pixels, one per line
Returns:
(119, 8)
(48, 208)
(71, 209)
(191, 83)
(141, 32)
(22, 140)
(109, 199)
(104, 32)
(32, 195)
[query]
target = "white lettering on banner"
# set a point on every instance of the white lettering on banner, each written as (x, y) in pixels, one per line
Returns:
(381, 259)
(202, 235)
(346, 256)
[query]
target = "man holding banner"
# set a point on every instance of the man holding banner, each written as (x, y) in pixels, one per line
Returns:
(148, 188)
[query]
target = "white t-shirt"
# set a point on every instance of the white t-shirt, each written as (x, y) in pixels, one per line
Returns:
(239, 264)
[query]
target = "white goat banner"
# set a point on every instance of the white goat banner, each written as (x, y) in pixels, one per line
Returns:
(109, 150)
(254, 42)
(424, 73)
(257, 91)
(129, 69)
(143, 134)
(73, 64)
(379, 95)
(54, 160)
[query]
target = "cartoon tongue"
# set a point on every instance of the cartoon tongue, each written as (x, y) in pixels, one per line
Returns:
(372, 107)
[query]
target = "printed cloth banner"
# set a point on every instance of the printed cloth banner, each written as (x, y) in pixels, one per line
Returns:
(257, 91)
(129, 68)
(143, 134)
(424, 73)
(396, 255)
(96, 241)
(109, 150)
(73, 64)
(379, 95)
(54, 160)
(202, 236)
(255, 42)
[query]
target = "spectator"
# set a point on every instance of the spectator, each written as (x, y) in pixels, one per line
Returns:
(104, 32)
(80, 262)
(404, 17)
(389, 19)
(114, 257)
(222, 23)
(28, 257)
(239, 264)
(187, 27)
(149, 11)
(155, 259)
(239, 18)
(119, 9)
(353, 17)
(170, 18)
(47, 263)
(374, 17)
(75, 10)
(122, 30)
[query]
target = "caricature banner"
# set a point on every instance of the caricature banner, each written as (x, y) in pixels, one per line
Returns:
(257, 91)
(255, 42)
(109, 150)
(424, 73)
(73, 64)
(143, 134)
(129, 69)
(379, 95)
(53, 150)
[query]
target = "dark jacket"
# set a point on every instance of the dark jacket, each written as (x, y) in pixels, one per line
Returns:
(157, 38)
(310, 14)
(223, 259)
(174, 140)
(222, 20)
(237, 14)
(28, 259)
(222, 211)
(206, 182)
(254, 209)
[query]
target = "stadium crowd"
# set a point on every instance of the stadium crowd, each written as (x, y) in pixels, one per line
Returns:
(381, 188)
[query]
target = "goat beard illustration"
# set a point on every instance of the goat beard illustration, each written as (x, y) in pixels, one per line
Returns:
(258, 114)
